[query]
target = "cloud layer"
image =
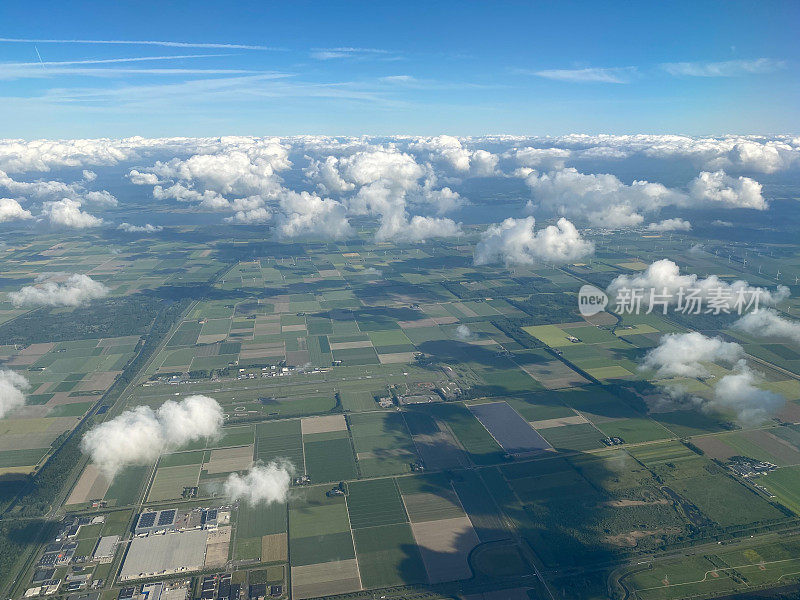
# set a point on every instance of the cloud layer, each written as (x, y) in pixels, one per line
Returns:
(314, 186)
(146, 228)
(604, 200)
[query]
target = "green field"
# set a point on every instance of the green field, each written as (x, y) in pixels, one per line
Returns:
(179, 459)
(785, 484)
(579, 437)
(388, 555)
(382, 443)
(126, 486)
(280, 440)
(375, 502)
(330, 460)
(319, 529)
(260, 520)
(170, 481)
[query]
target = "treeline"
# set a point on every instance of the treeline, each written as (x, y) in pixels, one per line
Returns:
(513, 328)
(703, 321)
(521, 286)
(109, 317)
(163, 322)
(601, 279)
(17, 536)
(548, 309)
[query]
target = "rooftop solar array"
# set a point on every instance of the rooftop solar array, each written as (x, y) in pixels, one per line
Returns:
(147, 519)
(166, 517)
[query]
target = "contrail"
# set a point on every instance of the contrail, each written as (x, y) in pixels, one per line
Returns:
(112, 60)
(40, 57)
(143, 43)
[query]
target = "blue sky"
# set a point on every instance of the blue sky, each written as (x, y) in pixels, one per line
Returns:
(463, 68)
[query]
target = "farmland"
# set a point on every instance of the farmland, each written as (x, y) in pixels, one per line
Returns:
(420, 455)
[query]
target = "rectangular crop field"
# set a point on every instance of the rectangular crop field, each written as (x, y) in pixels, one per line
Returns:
(479, 444)
(281, 439)
(388, 555)
(382, 443)
(330, 459)
(374, 502)
(505, 424)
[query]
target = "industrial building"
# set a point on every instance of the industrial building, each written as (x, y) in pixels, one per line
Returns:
(165, 554)
(106, 548)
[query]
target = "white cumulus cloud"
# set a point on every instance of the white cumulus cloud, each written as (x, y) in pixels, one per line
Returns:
(664, 278)
(146, 228)
(47, 190)
(732, 192)
(682, 354)
(11, 210)
(601, 198)
(68, 213)
(515, 241)
(245, 168)
(397, 227)
(12, 391)
(463, 333)
(676, 224)
(138, 178)
(768, 323)
(262, 484)
(253, 216)
(56, 290)
(140, 435)
(738, 393)
(307, 215)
